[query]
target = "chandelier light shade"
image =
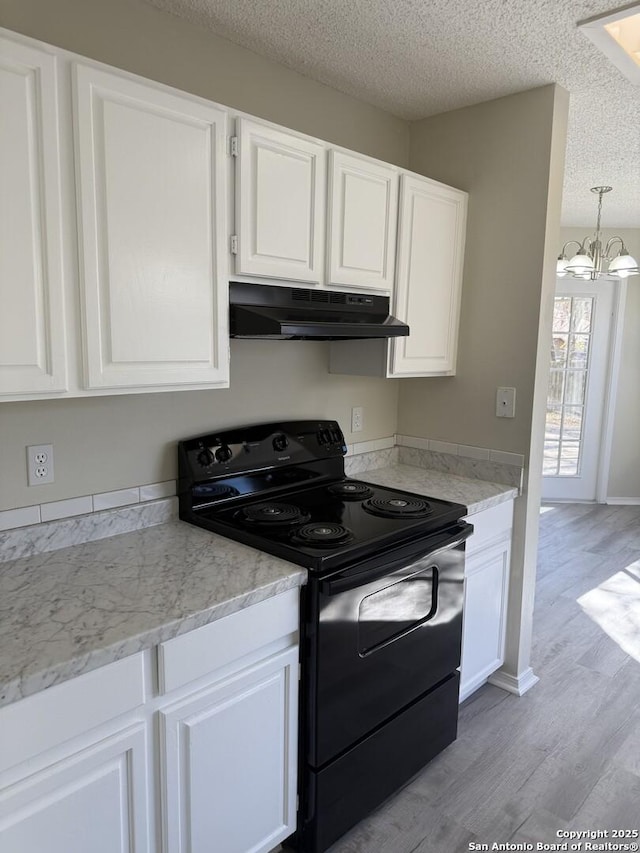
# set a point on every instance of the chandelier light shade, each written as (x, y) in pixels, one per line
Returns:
(588, 262)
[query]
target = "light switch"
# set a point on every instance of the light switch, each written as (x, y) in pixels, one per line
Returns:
(506, 403)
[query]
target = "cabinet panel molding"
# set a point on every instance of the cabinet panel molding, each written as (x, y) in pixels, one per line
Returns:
(431, 236)
(230, 762)
(32, 323)
(361, 229)
(95, 799)
(280, 201)
(151, 171)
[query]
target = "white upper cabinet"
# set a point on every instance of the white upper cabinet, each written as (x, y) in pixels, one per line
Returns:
(431, 236)
(280, 203)
(430, 255)
(151, 166)
(32, 327)
(361, 227)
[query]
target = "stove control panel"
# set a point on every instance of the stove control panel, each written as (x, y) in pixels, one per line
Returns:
(245, 449)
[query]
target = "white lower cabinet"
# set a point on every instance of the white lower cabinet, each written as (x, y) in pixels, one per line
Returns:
(229, 731)
(229, 756)
(74, 772)
(486, 584)
(95, 799)
(205, 763)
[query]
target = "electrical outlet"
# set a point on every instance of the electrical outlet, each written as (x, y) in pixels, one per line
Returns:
(357, 417)
(40, 464)
(506, 403)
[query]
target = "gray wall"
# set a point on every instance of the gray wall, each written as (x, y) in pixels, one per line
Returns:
(624, 471)
(107, 443)
(509, 155)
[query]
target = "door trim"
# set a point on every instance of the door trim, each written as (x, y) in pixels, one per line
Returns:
(614, 357)
(613, 373)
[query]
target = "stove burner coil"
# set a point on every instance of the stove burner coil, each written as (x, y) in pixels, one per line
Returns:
(397, 507)
(351, 490)
(271, 515)
(322, 533)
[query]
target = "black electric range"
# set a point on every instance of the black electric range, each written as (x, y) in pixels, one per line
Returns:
(381, 613)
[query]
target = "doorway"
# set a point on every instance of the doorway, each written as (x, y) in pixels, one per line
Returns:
(579, 385)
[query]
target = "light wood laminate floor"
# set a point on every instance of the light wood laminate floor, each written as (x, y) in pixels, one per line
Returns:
(566, 756)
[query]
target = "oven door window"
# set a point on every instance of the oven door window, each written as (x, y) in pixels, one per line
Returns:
(394, 611)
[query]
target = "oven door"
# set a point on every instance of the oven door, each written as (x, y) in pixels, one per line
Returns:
(379, 635)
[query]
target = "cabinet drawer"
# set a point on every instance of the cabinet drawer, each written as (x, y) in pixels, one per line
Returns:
(490, 524)
(218, 644)
(49, 718)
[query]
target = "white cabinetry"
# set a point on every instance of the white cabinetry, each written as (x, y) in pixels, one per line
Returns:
(73, 767)
(486, 584)
(32, 327)
(280, 203)
(431, 236)
(229, 754)
(361, 228)
(79, 769)
(229, 743)
(151, 168)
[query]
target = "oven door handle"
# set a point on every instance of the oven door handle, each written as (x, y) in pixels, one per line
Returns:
(443, 542)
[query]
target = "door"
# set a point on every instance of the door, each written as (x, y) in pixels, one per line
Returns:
(280, 199)
(431, 234)
(230, 754)
(361, 232)
(93, 800)
(152, 167)
(580, 348)
(388, 630)
(32, 328)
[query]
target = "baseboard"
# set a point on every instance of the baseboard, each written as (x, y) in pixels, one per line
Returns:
(512, 683)
(623, 501)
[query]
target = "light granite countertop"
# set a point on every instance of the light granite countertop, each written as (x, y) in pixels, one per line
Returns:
(476, 495)
(69, 611)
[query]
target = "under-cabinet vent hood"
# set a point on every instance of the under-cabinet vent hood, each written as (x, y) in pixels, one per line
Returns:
(293, 313)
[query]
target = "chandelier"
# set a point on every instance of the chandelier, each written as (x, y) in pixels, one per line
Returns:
(588, 260)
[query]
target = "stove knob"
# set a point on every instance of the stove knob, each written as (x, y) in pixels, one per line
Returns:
(205, 457)
(280, 443)
(224, 453)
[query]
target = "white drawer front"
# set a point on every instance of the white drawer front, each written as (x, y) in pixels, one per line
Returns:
(218, 644)
(66, 710)
(489, 524)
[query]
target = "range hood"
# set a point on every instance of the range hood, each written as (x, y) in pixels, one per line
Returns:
(266, 311)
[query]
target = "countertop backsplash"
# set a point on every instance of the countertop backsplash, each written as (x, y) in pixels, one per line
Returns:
(100, 516)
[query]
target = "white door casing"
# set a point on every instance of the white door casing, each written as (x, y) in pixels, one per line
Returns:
(32, 324)
(362, 222)
(431, 236)
(280, 202)
(151, 170)
(579, 375)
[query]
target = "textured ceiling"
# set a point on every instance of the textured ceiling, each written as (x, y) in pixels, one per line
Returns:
(416, 58)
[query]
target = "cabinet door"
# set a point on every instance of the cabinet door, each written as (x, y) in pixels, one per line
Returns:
(32, 329)
(230, 762)
(431, 236)
(94, 800)
(280, 202)
(363, 203)
(484, 615)
(151, 168)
